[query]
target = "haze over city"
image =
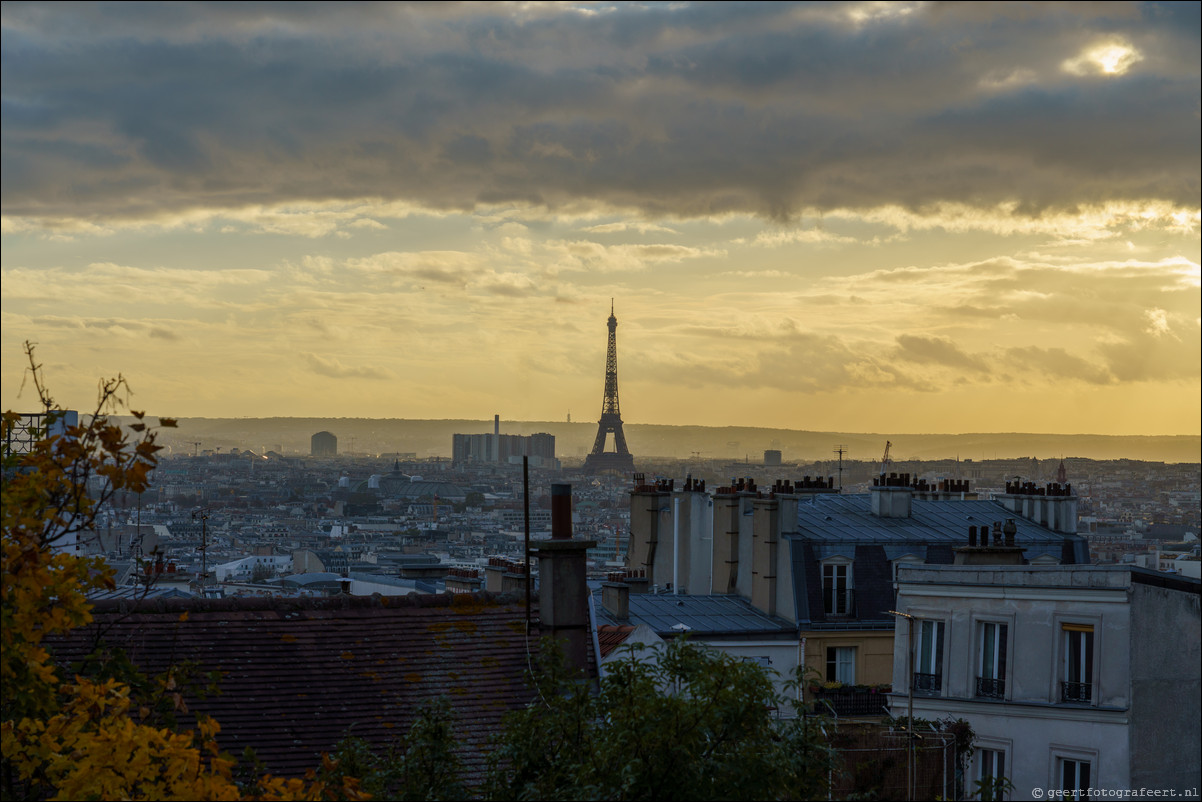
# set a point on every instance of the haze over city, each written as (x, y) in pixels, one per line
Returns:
(857, 217)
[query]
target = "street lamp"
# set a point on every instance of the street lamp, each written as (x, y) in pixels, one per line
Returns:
(909, 695)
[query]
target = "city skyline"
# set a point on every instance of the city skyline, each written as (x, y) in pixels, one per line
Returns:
(899, 217)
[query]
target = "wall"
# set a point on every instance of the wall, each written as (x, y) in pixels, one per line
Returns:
(874, 654)
(1166, 686)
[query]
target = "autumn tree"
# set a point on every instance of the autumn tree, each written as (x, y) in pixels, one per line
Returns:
(77, 737)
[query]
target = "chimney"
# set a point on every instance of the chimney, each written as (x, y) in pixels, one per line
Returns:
(563, 593)
(1002, 551)
(891, 496)
(650, 510)
(765, 537)
(727, 522)
(615, 596)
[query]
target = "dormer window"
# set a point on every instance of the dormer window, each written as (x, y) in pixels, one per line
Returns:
(837, 586)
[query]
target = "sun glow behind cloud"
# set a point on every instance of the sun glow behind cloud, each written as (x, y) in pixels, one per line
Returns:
(1112, 57)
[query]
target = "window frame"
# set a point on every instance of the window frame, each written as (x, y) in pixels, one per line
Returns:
(841, 658)
(1088, 673)
(831, 594)
(933, 651)
(1003, 656)
(998, 751)
(1062, 755)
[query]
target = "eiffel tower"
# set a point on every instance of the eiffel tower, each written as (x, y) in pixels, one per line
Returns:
(619, 459)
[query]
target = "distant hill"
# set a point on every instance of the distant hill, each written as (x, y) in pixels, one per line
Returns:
(432, 438)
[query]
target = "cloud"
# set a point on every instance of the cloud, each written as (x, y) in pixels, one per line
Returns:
(937, 351)
(1055, 363)
(676, 111)
(332, 368)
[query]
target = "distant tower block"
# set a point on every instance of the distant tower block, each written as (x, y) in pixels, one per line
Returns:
(772, 457)
(619, 459)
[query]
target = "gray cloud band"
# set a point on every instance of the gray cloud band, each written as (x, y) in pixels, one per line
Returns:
(116, 112)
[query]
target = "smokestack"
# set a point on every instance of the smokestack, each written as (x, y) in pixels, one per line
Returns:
(496, 424)
(561, 512)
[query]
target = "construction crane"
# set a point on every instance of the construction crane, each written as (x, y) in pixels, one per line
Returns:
(885, 461)
(195, 447)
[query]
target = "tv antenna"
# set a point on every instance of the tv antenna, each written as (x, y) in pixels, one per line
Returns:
(840, 450)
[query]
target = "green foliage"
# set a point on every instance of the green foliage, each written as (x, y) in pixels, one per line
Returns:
(990, 789)
(421, 766)
(685, 724)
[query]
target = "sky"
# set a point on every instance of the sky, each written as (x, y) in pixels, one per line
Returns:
(880, 217)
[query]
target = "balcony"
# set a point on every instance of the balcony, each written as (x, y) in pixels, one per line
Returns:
(991, 688)
(1077, 692)
(928, 683)
(852, 700)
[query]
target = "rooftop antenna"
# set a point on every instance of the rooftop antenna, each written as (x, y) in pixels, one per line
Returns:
(840, 450)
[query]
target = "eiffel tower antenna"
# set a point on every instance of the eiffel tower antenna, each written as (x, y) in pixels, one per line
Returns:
(619, 459)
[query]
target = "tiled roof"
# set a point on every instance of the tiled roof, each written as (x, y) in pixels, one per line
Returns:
(610, 637)
(298, 674)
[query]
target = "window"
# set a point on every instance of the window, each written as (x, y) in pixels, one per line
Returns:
(1074, 778)
(991, 660)
(841, 664)
(836, 588)
(1077, 673)
(991, 774)
(928, 657)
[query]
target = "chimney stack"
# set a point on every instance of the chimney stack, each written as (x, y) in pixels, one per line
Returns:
(496, 425)
(563, 592)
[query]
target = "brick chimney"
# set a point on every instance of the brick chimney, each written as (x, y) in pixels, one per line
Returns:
(563, 592)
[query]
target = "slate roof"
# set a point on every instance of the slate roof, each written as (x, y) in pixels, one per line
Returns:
(834, 520)
(704, 616)
(297, 674)
(844, 526)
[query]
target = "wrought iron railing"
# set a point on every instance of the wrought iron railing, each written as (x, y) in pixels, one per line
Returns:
(1076, 692)
(928, 683)
(991, 688)
(853, 701)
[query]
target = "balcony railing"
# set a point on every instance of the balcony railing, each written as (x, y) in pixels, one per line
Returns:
(852, 701)
(1076, 692)
(991, 688)
(928, 683)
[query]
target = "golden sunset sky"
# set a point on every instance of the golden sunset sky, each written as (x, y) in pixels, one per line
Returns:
(899, 217)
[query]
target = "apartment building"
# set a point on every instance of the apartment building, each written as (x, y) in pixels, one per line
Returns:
(1075, 677)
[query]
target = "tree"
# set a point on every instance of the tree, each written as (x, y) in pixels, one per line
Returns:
(422, 765)
(687, 724)
(83, 737)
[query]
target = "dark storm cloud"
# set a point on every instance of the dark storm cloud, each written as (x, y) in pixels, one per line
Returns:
(127, 110)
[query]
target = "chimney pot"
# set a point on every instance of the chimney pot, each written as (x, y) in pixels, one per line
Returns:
(561, 511)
